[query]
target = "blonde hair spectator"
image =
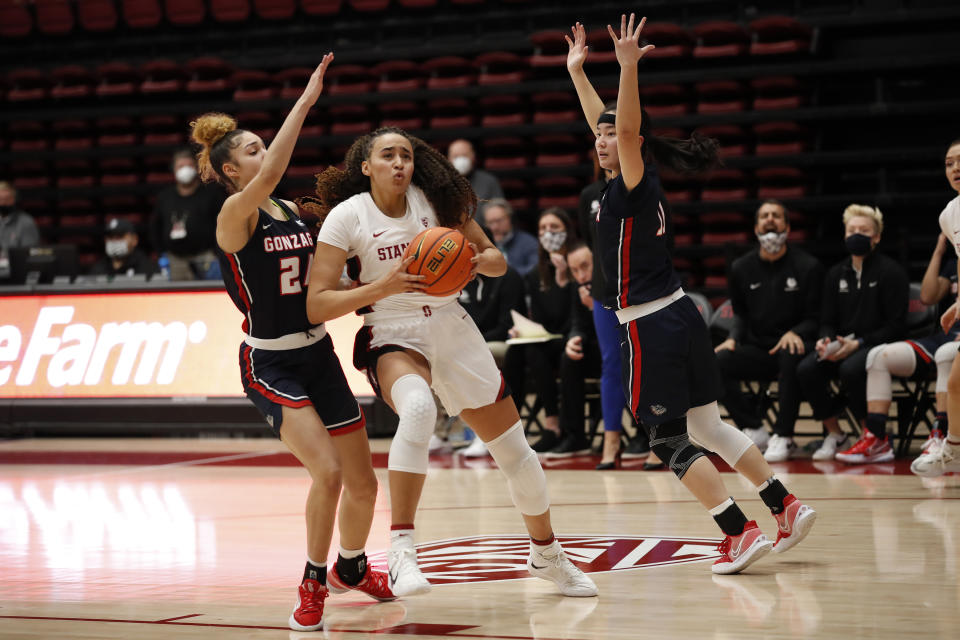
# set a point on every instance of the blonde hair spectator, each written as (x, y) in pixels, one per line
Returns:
(856, 210)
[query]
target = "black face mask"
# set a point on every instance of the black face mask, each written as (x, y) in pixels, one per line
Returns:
(858, 244)
(6, 210)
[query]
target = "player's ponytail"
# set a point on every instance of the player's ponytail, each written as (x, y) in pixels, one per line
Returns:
(217, 134)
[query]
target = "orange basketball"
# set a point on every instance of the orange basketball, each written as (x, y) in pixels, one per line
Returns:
(443, 256)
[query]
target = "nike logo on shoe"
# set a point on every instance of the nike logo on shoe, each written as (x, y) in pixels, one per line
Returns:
(735, 553)
(393, 577)
(536, 567)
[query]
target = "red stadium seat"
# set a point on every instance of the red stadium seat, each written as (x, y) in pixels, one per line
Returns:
(549, 49)
(449, 72)
(725, 184)
(519, 194)
(321, 7)
(162, 76)
(163, 130)
(116, 131)
(781, 182)
(558, 191)
(720, 39)
(72, 134)
(778, 138)
(208, 74)
(275, 9)
(720, 96)
(293, 81)
(74, 173)
(555, 106)
(506, 153)
(665, 99)
(398, 75)
(27, 85)
(54, 17)
(142, 14)
(780, 35)
(118, 171)
(97, 15)
(601, 47)
(158, 169)
(406, 115)
(350, 119)
(368, 6)
(732, 139)
(558, 150)
(670, 40)
(230, 10)
(348, 79)
(15, 19)
(185, 13)
(417, 4)
(502, 110)
(501, 67)
(450, 113)
(30, 174)
(306, 162)
(251, 84)
(777, 92)
(724, 237)
(72, 81)
(27, 135)
(259, 122)
(117, 79)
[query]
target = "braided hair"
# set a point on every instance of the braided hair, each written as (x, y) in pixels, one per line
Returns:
(449, 192)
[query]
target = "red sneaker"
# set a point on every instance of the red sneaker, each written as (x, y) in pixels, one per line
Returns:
(868, 449)
(793, 523)
(739, 552)
(374, 584)
(308, 614)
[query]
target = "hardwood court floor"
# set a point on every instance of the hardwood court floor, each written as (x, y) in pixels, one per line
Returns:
(205, 539)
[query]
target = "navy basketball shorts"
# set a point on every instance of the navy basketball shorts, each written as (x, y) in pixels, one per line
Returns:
(926, 349)
(668, 363)
(300, 378)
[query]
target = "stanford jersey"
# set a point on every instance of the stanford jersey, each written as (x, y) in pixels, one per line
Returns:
(267, 279)
(632, 237)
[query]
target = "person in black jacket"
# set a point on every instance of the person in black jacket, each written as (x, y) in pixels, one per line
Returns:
(489, 302)
(122, 255)
(864, 304)
(775, 291)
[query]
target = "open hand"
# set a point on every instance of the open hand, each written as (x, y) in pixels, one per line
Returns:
(315, 84)
(627, 46)
(577, 54)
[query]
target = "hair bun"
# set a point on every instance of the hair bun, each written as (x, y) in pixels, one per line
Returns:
(211, 127)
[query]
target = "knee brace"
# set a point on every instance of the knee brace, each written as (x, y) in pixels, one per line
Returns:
(414, 402)
(706, 427)
(884, 361)
(944, 359)
(525, 477)
(671, 444)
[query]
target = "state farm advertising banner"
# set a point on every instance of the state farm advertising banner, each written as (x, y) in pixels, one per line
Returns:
(145, 344)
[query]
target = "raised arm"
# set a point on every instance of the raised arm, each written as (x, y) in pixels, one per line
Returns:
(590, 102)
(629, 115)
(234, 221)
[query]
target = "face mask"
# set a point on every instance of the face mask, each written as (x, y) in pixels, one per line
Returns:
(462, 164)
(117, 248)
(858, 244)
(553, 240)
(6, 210)
(185, 174)
(771, 241)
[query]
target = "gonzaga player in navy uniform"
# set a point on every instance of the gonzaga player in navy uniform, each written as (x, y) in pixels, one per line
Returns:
(671, 377)
(288, 366)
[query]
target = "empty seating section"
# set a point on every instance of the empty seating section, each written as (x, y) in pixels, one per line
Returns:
(85, 131)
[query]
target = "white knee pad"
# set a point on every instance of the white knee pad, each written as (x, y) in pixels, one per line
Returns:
(525, 477)
(707, 429)
(885, 361)
(944, 359)
(414, 402)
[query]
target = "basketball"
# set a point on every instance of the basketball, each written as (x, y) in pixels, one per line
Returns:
(443, 256)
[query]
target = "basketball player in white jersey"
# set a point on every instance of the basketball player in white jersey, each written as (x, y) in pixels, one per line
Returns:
(940, 460)
(393, 187)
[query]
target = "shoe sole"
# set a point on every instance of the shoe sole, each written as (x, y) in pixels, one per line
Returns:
(801, 527)
(340, 588)
(933, 472)
(859, 458)
(572, 454)
(760, 547)
(293, 624)
(537, 574)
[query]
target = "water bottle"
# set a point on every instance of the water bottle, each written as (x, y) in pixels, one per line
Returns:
(164, 263)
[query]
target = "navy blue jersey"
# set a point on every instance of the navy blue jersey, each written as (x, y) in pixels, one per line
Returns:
(267, 279)
(632, 238)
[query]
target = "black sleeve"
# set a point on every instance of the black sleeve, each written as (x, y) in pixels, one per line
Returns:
(584, 217)
(509, 297)
(581, 318)
(894, 302)
(807, 328)
(740, 312)
(156, 226)
(828, 306)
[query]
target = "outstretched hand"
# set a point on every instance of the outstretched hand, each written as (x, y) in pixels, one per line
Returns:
(315, 84)
(577, 54)
(627, 45)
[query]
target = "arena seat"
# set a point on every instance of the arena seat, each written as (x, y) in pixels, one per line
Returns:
(97, 15)
(777, 92)
(27, 85)
(506, 153)
(501, 67)
(670, 40)
(116, 131)
(162, 76)
(779, 35)
(72, 81)
(275, 9)
(54, 17)
(252, 84)
(347, 79)
(15, 19)
(450, 113)
(405, 114)
(185, 13)
(502, 110)
(732, 139)
(555, 106)
(720, 39)
(776, 138)
(142, 14)
(27, 135)
(117, 79)
(293, 81)
(449, 72)
(230, 10)
(398, 75)
(209, 74)
(321, 7)
(720, 96)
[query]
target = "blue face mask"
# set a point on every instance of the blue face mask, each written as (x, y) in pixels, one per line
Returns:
(858, 244)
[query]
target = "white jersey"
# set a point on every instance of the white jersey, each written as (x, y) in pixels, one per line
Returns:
(376, 241)
(950, 223)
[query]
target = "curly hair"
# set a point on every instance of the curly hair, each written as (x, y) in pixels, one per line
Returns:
(217, 134)
(449, 192)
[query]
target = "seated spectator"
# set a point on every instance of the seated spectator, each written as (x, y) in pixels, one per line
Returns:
(518, 247)
(918, 357)
(485, 184)
(864, 304)
(17, 228)
(123, 256)
(775, 291)
(184, 222)
(489, 302)
(549, 290)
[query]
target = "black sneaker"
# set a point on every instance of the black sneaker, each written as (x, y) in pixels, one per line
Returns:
(637, 449)
(548, 440)
(570, 446)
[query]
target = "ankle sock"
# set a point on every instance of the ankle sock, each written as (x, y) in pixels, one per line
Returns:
(729, 517)
(877, 424)
(352, 565)
(773, 493)
(315, 571)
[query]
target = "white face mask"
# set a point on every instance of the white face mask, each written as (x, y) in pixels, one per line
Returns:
(553, 241)
(185, 174)
(117, 248)
(463, 164)
(771, 241)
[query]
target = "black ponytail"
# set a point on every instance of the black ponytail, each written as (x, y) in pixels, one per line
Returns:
(696, 154)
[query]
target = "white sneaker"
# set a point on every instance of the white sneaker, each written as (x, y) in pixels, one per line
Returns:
(779, 449)
(760, 437)
(831, 444)
(551, 563)
(944, 459)
(934, 442)
(405, 578)
(477, 449)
